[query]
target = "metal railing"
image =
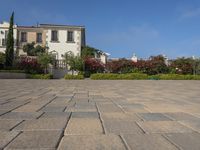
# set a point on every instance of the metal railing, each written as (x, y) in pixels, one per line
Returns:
(60, 64)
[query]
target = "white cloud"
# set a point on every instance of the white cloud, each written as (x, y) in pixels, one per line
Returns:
(190, 13)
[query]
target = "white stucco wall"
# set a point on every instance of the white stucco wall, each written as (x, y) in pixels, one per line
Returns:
(103, 59)
(4, 27)
(63, 46)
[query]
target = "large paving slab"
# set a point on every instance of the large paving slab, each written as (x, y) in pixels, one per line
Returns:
(6, 137)
(84, 126)
(185, 141)
(42, 124)
(163, 127)
(56, 115)
(154, 117)
(21, 115)
(148, 142)
(121, 126)
(36, 140)
(8, 124)
(91, 142)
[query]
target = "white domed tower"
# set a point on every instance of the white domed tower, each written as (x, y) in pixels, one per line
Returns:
(134, 58)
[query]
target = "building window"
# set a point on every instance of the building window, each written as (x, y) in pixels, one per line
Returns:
(23, 37)
(6, 35)
(39, 38)
(54, 36)
(5, 38)
(70, 36)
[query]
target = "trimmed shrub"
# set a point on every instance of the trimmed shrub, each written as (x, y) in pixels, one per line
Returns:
(112, 76)
(140, 76)
(13, 71)
(73, 77)
(40, 76)
(178, 77)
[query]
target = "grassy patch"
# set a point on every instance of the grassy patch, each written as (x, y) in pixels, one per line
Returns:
(73, 77)
(40, 76)
(111, 76)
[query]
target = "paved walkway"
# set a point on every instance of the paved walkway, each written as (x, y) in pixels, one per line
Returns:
(99, 115)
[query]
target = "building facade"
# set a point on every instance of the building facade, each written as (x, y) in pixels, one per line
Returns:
(59, 39)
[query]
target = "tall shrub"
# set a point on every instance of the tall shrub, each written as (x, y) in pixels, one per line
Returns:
(75, 62)
(44, 59)
(10, 44)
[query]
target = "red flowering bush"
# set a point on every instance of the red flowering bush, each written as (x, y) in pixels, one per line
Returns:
(29, 65)
(120, 66)
(183, 65)
(93, 65)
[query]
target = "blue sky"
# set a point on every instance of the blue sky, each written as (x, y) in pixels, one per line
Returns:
(120, 27)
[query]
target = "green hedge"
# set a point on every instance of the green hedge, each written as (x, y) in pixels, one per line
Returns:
(111, 76)
(177, 77)
(40, 76)
(74, 77)
(13, 71)
(140, 76)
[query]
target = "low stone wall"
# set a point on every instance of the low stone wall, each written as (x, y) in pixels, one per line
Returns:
(12, 75)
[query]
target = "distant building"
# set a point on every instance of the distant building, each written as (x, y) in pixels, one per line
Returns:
(4, 27)
(134, 58)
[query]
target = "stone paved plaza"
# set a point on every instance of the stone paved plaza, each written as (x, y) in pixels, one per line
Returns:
(99, 115)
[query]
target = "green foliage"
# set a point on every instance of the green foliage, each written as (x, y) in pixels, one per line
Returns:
(40, 76)
(33, 50)
(112, 76)
(88, 52)
(75, 62)
(156, 65)
(44, 59)
(178, 77)
(139, 76)
(10, 44)
(74, 77)
(2, 58)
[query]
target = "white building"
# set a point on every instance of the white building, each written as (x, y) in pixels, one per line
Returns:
(4, 27)
(61, 39)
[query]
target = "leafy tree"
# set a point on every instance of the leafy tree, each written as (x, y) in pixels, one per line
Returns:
(75, 62)
(10, 44)
(88, 51)
(44, 59)
(33, 50)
